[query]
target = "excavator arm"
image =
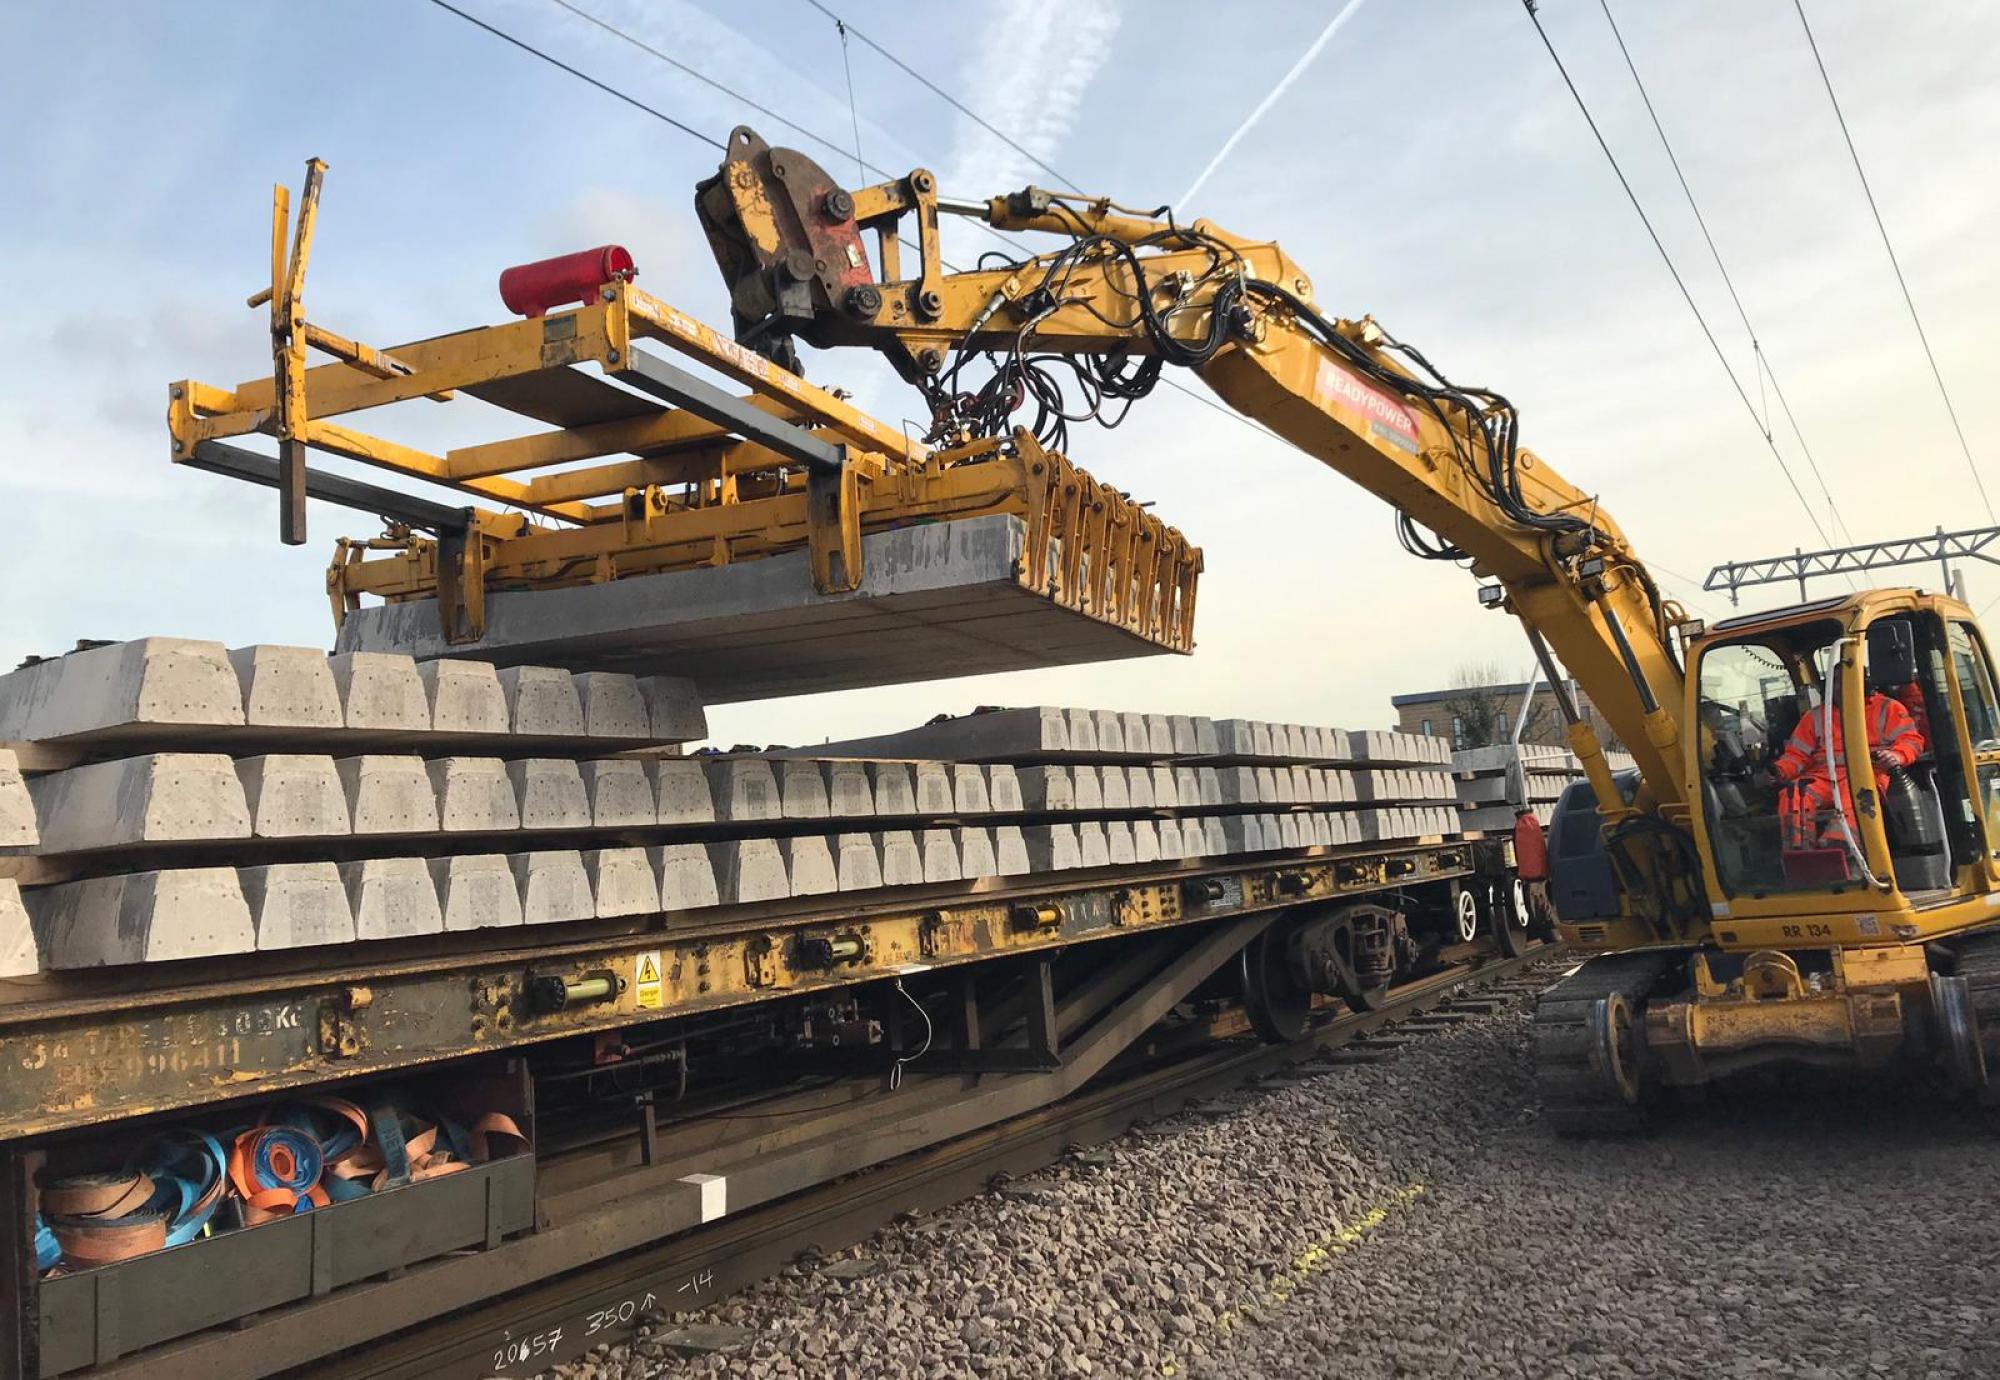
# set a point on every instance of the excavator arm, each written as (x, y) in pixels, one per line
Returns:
(1125, 293)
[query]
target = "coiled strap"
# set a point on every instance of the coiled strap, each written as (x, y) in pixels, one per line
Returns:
(190, 1175)
(48, 1250)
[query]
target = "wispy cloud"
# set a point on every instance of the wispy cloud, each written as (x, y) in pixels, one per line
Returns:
(1047, 53)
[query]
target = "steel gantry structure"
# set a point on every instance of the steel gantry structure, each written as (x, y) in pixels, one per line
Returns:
(1971, 544)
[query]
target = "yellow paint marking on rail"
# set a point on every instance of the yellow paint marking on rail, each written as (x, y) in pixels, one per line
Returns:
(1315, 1259)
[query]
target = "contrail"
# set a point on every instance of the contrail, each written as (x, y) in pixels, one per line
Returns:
(1263, 106)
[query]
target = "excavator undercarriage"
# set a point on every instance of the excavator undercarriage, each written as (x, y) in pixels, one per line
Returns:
(1617, 1038)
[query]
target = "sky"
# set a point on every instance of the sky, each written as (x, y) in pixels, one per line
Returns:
(1428, 167)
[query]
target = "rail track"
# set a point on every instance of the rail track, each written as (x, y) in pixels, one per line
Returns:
(548, 1323)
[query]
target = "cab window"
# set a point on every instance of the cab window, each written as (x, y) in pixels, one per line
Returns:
(1755, 696)
(1982, 723)
(1982, 718)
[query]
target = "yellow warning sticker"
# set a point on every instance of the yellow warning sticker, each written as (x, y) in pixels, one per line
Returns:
(646, 980)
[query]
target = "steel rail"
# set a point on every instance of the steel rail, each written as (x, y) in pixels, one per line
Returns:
(607, 1302)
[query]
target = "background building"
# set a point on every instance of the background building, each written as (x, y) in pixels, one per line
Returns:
(1477, 715)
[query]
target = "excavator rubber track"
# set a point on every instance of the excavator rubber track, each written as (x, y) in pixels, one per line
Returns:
(1978, 968)
(1588, 1040)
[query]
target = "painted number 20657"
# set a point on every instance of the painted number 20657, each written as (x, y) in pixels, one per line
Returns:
(515, 1352)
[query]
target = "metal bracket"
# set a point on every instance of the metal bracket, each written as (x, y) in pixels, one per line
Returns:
(937, 932)
(760, 963)
(461, 586)
(340, 1036)
(833, 527)
(1043, 1029)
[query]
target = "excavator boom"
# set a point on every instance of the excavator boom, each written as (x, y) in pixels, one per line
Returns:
(1126, 293)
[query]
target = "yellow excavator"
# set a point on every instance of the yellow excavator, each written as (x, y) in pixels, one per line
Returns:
(1776, 882)
(1769, 886)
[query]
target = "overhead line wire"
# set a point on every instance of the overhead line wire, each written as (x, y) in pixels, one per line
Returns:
(793, 125)
(846, 28)
(1894, 263)
(947, 97)
(1756, 348)
(624, 36)
(1679, 282)
(657, 114)
(554, 61)
(853, 106)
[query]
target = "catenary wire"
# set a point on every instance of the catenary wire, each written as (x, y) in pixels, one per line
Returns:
(946, 96)
(553, 61)
(1894, 263)
(678, 65)
(714, 142)
(1764, 369)
(853, 106)
(1679, 282)
(656, 113)
(686, 69)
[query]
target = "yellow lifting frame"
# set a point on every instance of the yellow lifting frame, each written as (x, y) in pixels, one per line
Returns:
(685, 490)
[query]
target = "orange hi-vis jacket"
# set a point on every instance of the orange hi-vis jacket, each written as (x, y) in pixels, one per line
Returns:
(1889, 726)
(1911, 697)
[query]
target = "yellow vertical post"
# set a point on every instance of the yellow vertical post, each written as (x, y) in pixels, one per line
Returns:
(288, 351)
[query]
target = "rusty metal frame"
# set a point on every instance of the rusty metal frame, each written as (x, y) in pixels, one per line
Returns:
(625, 1241)
(81, 1060)
(656, 1199)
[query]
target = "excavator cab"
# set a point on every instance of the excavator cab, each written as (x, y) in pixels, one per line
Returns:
(1776, 688)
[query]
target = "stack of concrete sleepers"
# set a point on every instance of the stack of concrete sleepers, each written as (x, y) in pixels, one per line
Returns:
(931, 593)
(1046, 732)
(186, 800)
(1406, 778)
(1485, 794)
(1379, 786)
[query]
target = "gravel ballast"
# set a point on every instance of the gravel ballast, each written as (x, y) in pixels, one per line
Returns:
(1414, 1217)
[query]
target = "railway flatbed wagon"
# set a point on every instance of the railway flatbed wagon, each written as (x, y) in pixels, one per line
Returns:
(458, 1048)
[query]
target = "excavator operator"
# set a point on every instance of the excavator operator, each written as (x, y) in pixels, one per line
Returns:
(1894, 743)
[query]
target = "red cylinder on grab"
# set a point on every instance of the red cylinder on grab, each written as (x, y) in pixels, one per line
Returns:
(1531, 848)
(531, 289)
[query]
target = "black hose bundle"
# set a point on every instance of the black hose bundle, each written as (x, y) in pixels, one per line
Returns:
(1483, 425)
